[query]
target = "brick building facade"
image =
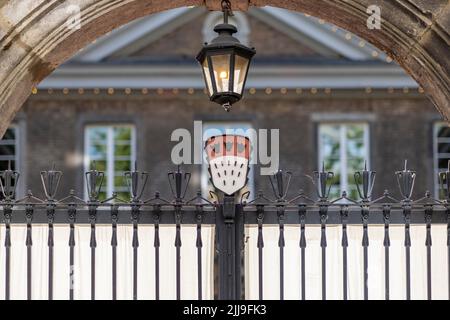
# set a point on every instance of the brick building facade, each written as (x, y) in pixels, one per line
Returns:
(309, 79)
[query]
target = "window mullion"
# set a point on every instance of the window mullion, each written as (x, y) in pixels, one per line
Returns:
(110, 161)
(343, 156)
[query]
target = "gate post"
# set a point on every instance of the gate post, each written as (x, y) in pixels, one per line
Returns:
(230, 231)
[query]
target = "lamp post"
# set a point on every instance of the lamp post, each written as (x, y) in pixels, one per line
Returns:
(225, 62)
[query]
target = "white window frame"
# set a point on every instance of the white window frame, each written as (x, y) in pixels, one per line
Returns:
(436, 140)
(204, 175)
(343, 151)
(109, 187)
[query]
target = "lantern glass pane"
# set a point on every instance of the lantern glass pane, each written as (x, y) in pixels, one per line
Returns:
(207, 76)
(240, 73)
(221, 67)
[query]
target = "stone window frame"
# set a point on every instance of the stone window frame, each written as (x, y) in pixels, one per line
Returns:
(341, 121)
(15, 143)
(436, 126)
(109, 187)
(21, 152)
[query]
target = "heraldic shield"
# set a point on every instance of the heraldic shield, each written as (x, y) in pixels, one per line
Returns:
(228, 158)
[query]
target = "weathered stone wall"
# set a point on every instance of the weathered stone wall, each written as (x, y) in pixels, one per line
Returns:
(400, 128)
(34, 38)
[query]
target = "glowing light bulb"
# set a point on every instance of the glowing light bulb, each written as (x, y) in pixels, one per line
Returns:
(223, 75)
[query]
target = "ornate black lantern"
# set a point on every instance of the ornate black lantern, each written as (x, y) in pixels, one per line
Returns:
(225, 62)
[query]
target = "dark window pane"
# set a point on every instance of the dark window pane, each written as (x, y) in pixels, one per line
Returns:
(10, 134)
(7, 150)
(444, 131)
(443, 163)
(4, 165)
(444, 147)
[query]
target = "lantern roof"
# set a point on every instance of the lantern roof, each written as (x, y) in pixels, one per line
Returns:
(225, 40)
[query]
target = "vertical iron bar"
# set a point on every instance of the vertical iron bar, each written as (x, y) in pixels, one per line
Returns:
(302, 244)
(428, 243)
(178, 249)
(323, 211)
(230, 230)
(365, 244)
(114, 219)
(72, 215)
(344, 243)
(93, 245)
(29, 243)
(135, 219)
(239, 246)
(386, 244)
(281, 245)
(7, 210)
(156, 244)
(407, 244)
(199, 245)
(51, 244)
(230, 237)
(260, 246)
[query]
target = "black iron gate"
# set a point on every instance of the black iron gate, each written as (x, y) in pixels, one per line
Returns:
(229, 215)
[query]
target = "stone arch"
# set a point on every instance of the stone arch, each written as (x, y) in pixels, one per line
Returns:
(35, 38)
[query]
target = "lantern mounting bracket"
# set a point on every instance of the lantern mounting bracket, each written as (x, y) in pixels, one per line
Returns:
(226, 9)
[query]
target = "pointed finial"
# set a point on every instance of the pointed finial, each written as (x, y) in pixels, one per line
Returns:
(365, 165)
(323, 166)
(405, 180)
(9, 165)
